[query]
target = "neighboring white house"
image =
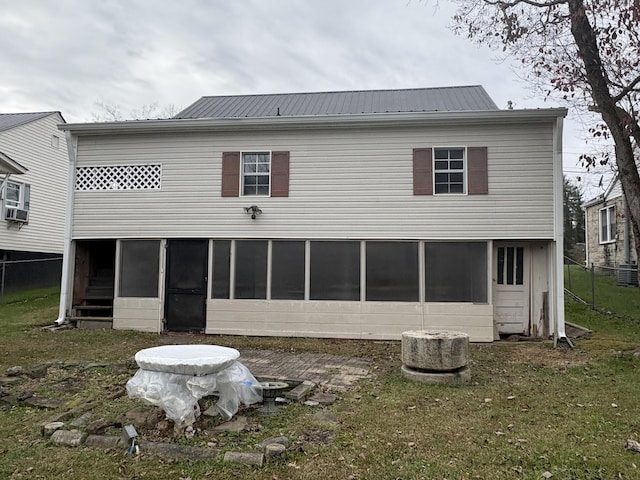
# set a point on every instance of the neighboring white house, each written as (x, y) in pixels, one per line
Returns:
(355, 214)
(609, 236)
(33, 184)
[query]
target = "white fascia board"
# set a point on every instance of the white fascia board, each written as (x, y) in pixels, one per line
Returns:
(314, 121)
(10, 166)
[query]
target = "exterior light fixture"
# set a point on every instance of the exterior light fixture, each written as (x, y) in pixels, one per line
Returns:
(253, 210)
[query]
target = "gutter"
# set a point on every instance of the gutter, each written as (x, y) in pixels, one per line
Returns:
(310, 121)
(64, 282)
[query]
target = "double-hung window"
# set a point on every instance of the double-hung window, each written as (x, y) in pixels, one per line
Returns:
(16, 195)
(449, 170)
(256, 173)
(608, 224)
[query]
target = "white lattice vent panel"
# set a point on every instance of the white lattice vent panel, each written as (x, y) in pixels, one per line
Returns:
(119, 177)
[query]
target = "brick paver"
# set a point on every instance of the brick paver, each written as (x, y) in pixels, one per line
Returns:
(333, 372)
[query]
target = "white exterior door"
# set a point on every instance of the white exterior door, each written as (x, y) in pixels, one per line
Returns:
(511, 291)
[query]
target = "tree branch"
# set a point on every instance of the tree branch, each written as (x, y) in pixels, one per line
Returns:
(533, 3)
(627, 89)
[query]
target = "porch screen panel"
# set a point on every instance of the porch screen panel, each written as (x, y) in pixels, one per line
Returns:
(139, 268)
(221, 269)
(287, 270)
(456, 272)
(392, 271)
(251, 269)
(335, 271)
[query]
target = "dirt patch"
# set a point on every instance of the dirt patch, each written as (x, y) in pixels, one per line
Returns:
(542, 355)
(316, 437)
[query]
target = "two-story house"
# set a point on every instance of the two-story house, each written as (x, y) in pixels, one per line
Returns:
(356, 214)
(33, 185)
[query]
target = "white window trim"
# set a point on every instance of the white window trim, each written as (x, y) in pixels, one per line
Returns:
(465, 179)
(21, 190)
(242, 174)
(608, 209)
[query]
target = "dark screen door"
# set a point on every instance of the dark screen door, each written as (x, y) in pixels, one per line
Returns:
(186, 289)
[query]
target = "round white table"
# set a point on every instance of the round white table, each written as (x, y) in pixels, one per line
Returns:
(175, 377)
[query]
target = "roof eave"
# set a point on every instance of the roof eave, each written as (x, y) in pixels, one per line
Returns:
(302, 122)
(10, 166)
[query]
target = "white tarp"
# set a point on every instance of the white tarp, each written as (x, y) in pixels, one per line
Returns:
(175, 377)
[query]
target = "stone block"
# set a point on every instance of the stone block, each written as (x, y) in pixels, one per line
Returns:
(104, 441)
(70, 438)
(324, 398)
(457, 377)
(274, 450)
(301, 391)
(435, 350)
(174, 451)
(281, 440)
(50, 428)
(246, 458)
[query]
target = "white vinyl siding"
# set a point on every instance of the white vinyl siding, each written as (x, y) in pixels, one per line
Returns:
(347, 183)
(30, 145)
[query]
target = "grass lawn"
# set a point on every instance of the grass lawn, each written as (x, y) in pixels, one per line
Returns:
(530, 409)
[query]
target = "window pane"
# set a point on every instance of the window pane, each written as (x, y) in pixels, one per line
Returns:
(12, 197)
(139, 267)
(221, 268)
(442, 177)
(442, 188)
(263, 190)
(509, 265)
(456, 154)
(501, 266)
(287, 270)
(519, 266)
(335, 271)
(392, 271)
(456, 272)
(440, 154)
(440, 165)
(457, 165)
(249, 168)
(251, 269)
(456, 188)
(612, 222)
(455, 178)
(263, 167)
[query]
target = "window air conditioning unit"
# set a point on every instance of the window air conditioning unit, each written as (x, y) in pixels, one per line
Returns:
(16, 215)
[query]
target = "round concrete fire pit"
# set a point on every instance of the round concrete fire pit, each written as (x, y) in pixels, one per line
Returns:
(436, 356)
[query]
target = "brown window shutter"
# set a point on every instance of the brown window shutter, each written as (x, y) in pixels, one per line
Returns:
(279, 174)
(422, 171)
(478, 171)
(230, 174)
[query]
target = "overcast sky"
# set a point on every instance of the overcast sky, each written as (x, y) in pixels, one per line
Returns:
(67, 55)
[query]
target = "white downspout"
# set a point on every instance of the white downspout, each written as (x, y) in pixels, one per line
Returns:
(557, 300)
(72, 142)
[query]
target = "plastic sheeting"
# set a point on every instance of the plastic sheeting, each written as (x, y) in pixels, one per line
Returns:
(178, 393)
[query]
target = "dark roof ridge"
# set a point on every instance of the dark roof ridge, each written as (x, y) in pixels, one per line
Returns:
(363, 90)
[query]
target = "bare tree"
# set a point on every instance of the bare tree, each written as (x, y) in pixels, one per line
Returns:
(586, 52)
(112, 112)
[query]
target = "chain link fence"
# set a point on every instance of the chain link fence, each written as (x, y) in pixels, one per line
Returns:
(29, 273)
(610, 290)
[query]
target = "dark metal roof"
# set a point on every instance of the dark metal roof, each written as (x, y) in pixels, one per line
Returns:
(450, 99)
(11, 120)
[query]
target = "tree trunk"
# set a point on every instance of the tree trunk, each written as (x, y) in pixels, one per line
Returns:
(614, 116)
